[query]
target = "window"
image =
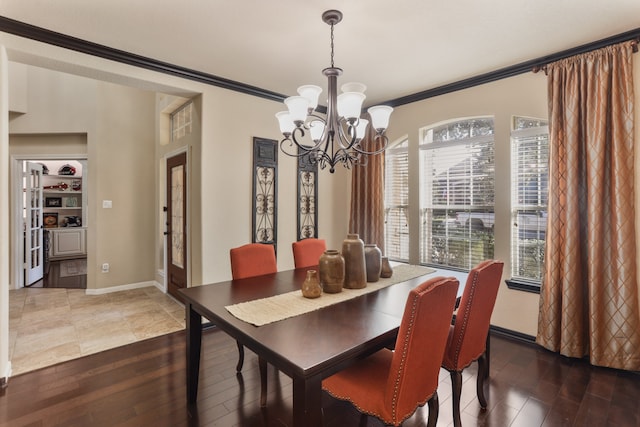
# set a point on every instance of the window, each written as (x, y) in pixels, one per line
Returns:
(457, 193)
(529, 178)
(181, 121)
(396, 201)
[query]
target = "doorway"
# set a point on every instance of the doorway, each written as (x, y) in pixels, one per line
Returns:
(176, 224)
(49, 220)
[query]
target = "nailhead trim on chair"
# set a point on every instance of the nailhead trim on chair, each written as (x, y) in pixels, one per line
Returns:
(394, 415)
(465, 319)
(405, 346)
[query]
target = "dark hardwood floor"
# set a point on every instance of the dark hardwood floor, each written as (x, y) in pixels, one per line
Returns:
(56, 276)
(143, 384)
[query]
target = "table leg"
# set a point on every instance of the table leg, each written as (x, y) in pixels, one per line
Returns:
(194, 344)
(307, 402)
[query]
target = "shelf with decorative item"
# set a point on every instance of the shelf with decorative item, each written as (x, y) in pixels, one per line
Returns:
(64, 198)
(61, 183)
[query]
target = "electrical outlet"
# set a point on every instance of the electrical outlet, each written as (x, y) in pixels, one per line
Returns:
(105, 267)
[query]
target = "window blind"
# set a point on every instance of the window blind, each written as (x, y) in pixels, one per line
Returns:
(457, 193)
(396, 202)
(529, 192)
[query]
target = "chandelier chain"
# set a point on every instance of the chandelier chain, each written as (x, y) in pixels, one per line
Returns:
(332, 65)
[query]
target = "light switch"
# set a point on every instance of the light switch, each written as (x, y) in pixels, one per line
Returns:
(107, 204)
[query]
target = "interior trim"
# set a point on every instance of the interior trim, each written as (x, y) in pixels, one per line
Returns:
(522, 285)
(513, 335)
(44, 35)
(513, 70)
(40, 34)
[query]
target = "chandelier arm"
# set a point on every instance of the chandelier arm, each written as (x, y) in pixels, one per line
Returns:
(377, 137)
(346, 139)
(293, 140)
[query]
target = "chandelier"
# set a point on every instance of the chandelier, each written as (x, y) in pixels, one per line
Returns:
(336, 137)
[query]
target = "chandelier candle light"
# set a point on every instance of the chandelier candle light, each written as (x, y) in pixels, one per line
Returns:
(335, 138)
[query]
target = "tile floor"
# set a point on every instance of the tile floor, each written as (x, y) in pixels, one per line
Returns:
(52, 325)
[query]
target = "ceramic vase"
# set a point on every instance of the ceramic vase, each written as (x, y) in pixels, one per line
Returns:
(354, 262)
(385, 269)
(373, 260)
(331, 266)
(311, 285)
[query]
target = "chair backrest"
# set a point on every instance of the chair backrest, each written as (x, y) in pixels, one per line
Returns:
(468, 339)
(253, 259)
(306, 253)
(413, 375)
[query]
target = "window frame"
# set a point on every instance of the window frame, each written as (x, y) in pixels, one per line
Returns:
(521, 136)
(399, 147)
(181, 121)
(460, 240)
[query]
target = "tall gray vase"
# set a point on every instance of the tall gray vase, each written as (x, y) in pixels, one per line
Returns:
(354, 262)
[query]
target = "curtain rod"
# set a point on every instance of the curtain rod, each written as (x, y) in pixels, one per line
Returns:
(634, 48)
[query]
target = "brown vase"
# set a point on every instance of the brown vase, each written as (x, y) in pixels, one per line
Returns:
(354, 262)
(331, 266)
(373, 259)
(385, 269)
(311, 285)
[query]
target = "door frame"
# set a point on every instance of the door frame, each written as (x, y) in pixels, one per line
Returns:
(163, 217)
(15, 222)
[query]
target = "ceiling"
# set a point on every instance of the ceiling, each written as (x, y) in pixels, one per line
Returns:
(396, 48)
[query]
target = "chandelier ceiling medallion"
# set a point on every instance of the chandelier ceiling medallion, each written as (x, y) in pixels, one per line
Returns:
(336, 137)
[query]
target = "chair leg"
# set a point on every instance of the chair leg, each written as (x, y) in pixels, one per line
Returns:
(263, 381)
(456, 384)
(483, 368)
(487, 352)
(434, 408)
(240, 357)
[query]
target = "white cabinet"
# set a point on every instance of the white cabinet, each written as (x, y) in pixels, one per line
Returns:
(68, 242)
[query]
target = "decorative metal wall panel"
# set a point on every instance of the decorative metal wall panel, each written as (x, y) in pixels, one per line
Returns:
(265, 191)
(307, 198)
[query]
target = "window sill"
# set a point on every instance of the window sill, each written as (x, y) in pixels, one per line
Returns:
(523, 285)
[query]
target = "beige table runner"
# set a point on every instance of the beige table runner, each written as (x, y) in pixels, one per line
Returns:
(279, 307)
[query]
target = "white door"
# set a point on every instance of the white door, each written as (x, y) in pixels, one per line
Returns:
(33, 242)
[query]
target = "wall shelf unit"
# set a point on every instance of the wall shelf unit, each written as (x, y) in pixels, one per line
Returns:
(65, 212)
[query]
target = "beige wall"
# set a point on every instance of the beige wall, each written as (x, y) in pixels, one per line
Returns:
(63, 111)
(121, 169)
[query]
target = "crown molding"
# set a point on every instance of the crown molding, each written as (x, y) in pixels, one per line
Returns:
(40, 34)
(43, 35)
(513, 70)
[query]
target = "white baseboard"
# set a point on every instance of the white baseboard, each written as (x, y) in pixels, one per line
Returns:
(124, 288)
(5, 379)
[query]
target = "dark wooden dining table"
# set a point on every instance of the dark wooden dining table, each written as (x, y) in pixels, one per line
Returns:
(308, 347)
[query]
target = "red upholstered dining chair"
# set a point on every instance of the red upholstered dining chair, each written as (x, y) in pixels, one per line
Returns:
(306, 253)
(468, 335)
(253, 259)
(391, 385)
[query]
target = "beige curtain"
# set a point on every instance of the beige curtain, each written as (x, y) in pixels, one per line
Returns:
(367, 195)
(589, 301)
